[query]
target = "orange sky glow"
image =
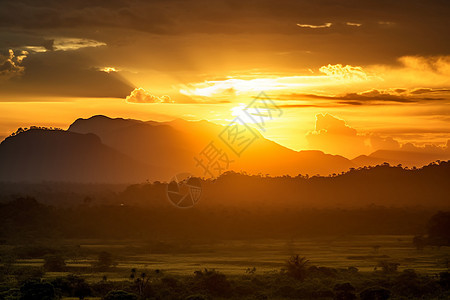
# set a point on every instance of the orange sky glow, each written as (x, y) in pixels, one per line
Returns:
(365, 90)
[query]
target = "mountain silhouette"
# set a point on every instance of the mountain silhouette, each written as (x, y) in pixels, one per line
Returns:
(403, 157)
(115, 150)
(150, 143)
(382, 185)
(174, 145)
(55, 155)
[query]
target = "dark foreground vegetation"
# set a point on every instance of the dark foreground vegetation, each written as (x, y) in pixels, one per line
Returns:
(382, 185)
(42, 241)
(297, 280)
(233, 206)
(25, 219)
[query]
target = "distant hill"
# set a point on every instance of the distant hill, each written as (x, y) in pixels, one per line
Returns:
(367, 201)
(56, 155)
(106, 150)
(382, 185)
(150, 143)
(175, 144)
(403, 157)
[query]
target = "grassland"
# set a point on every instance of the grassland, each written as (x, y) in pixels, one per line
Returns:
(235, 257)
(243, 269)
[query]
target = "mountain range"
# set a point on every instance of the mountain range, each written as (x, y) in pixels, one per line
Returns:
(106, 150)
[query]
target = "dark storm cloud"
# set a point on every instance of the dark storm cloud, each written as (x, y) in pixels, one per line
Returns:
(359, 31)
(140, 15)
(10, 39)
(372, 96)
(11, 64)
(227, 16)
(419, 91)
(166, 32)
(68, 74)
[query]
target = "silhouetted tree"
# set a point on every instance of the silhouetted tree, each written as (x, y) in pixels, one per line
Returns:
(344, 291)
(120, 295)
(214, 282)
(419, 242)
(197, 297)
(296, 267)
(141, 281)
(82, 290)
(34, 290)
(105, 261)
(438, 229)
(444, 280)
(375, 293)
(388, 267)
(29, 274)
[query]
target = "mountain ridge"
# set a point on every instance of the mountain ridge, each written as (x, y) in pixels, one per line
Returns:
(189, 138)
(118, 150)
(54, 155)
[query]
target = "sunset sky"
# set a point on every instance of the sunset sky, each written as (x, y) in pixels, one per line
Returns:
(351, 76)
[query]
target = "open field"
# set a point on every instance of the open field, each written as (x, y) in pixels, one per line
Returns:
(267, 256)
(230, 269)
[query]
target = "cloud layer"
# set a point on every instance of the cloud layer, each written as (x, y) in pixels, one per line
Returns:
(214, 38)
(140, 95)
(11, 65)
(334, 135)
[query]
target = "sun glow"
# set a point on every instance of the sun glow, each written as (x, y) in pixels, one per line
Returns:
(334, 77)
(236, 87)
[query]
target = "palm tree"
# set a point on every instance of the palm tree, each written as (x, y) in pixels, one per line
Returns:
(297, 266)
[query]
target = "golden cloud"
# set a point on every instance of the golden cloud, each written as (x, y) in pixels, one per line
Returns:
(344, 72)
(11, 65)
(140, 95)
(326, 25)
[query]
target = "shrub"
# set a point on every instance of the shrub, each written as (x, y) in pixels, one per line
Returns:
(213, 282)
(11, 294)
(437, 227)
(24, 274)
(72, 286)
(314, 288)
(388, 267)
(287, 291)
(261, 296)
(197, 297)
(120, 295)
(104, 261)
(375, 293)
(102, 288)
(33, 251)
(33, 290)
(327, 272)
(62, 286)
(170, 282)
(82, 290)
(409, 284)
(419, 242)
(54, 263)
(344, 291)
(444, 280)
